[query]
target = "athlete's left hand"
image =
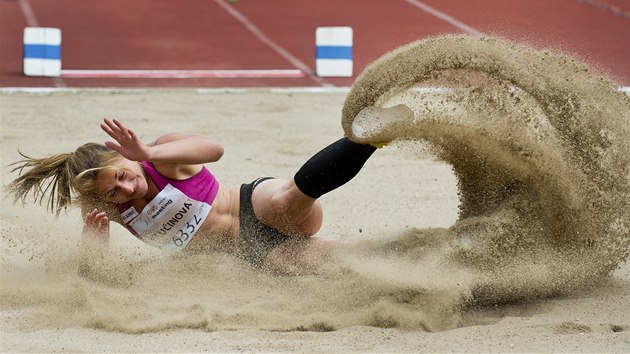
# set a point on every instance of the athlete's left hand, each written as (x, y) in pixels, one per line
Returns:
(129, 146)
(96, 225)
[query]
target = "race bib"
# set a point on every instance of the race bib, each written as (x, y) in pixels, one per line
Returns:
(170, 220)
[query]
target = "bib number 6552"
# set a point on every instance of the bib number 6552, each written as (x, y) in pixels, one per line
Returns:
(185, 232)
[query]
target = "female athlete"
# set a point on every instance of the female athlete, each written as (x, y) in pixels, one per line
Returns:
(162, 193)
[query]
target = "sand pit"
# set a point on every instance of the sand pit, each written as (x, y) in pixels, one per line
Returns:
(398, 290)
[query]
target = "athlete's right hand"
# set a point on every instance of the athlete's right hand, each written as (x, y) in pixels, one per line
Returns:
(96, 224)
(129, 146)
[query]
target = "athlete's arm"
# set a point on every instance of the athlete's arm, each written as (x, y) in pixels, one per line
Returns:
(171, 148)
(185, 149)
(94, 240)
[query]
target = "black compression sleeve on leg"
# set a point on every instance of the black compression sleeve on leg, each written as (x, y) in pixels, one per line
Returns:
(332, 167)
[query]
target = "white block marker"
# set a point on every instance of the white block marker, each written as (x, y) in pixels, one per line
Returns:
(333, 57)
(42, 51)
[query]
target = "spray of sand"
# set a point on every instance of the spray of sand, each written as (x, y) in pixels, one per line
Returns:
(540, 146)
(538, 143)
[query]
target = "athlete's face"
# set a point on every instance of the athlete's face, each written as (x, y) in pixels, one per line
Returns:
(122, 184)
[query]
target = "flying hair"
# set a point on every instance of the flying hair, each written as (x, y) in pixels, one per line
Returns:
(56, 177)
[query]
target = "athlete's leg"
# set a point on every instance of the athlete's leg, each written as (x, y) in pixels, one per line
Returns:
(332, 167)
(280, 204)
(291, 206)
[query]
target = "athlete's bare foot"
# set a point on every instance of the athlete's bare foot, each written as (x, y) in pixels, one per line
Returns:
(378, 126)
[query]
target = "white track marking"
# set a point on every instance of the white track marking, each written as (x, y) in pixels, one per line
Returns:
(270, 43)
(444, 17)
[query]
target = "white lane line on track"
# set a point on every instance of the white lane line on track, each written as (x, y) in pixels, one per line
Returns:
(610, 8)
(209, 90)
(31, 21)
(444, 17)
(270, 43)
(27, 10)
(183, 74)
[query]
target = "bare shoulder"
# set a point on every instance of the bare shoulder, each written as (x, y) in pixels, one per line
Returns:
(167, 138)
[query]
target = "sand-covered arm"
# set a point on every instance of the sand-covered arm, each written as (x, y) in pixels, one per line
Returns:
(94, 240)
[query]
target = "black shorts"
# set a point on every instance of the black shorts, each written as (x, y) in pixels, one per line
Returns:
(256, 240)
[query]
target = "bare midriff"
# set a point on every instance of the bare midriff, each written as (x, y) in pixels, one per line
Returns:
(220, 229)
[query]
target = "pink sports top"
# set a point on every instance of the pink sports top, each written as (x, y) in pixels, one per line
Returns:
(174, 216)
(202, 187)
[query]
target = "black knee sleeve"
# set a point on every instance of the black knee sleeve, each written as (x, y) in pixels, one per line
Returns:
(332, 167)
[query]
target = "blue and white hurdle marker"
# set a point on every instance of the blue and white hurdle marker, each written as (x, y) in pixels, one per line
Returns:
(333, 57)
(42, 51)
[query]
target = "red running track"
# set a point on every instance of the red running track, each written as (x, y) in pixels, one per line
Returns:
(280, 34)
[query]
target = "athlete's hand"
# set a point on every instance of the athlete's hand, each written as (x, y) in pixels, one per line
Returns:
(129, 146)
(96, 224)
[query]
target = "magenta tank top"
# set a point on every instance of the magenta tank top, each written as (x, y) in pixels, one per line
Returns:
(202, 187)
(185, 202)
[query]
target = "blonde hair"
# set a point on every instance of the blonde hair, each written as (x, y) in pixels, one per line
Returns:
(55, 177)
